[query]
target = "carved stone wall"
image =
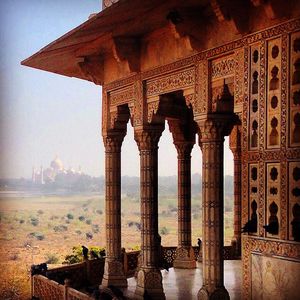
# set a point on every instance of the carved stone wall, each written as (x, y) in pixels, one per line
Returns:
(262, 71)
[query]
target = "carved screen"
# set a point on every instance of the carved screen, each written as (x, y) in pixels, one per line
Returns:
(253, 193)
(273, 200)
(254, 98)
(274, 93)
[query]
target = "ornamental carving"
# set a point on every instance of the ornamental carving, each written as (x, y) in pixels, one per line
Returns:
(113, 142)
(139, 103)
(284, 89)
(182, 253)
(239, 76)
(104, 111)
(201, 87)
(152, 109)
(223, 67)
(148, 139)
(171, 82)
(121, 96)
(215, 128)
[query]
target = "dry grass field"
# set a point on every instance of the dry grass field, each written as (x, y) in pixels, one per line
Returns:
(35, 229)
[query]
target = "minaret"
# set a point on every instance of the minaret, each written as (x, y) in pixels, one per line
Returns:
(33, 175)
(42, 175)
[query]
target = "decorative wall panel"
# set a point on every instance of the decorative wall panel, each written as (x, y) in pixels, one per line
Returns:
(294, 136)
(274, 278)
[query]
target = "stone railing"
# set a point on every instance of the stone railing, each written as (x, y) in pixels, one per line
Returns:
(68, 282)
(64, 282)
(44, 288)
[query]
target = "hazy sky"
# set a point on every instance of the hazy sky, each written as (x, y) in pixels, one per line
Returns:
(43, 114)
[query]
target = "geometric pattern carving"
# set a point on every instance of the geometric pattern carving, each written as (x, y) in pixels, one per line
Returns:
(223, 67)
(121, 96)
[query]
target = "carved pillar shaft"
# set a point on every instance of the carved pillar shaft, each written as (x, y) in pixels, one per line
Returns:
(185, 257)
(235, 146)
(212, 197)
(149, 279)
(113, 271)
(213, 131)
(184, 196)
(237, 201)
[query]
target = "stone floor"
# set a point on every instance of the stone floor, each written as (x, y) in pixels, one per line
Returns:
(185, 284)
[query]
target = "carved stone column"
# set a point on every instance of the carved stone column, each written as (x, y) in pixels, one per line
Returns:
(235, 147)
(213, 128)
(185, 257)
(149, 279)
(113, 270)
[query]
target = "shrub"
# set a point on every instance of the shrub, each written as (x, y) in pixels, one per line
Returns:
(40, 212)
(70, 216)
(164, 230)
(22, 221)
(51, 258)
(99, 211)
(89, 235)
(60, 228)
(88, 221)
(78, 232)
(95, 228)
(39, 236)
(81, 218)
(34, 221)
(75, 257)
(14, 257)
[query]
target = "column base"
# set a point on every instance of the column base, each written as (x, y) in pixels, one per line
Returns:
(114, 275)
(149, 285)
(185, 258)
(219, 293)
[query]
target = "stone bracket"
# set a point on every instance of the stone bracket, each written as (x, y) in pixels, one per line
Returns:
(91, 67)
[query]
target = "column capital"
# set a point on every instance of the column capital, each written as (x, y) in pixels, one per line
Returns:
(113, 141)
(184, 149)
(148, 138)
(235, 141)
(213, 127)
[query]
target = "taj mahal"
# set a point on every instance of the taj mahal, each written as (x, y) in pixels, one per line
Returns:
(47, 175)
